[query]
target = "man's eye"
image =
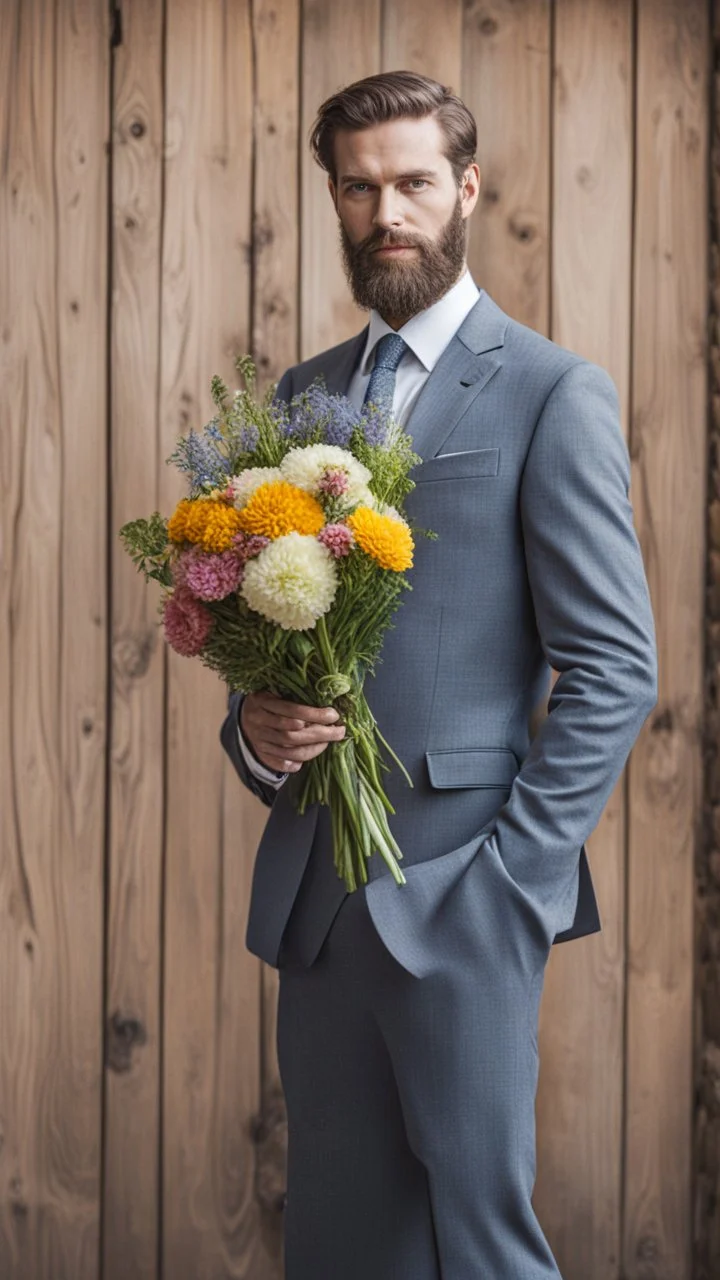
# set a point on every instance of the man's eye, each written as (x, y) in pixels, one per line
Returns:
(354, 186)
(422, 181)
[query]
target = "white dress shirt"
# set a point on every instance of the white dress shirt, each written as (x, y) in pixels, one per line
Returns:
(427, 334)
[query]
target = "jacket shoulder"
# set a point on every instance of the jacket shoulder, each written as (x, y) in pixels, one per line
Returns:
(297, 377)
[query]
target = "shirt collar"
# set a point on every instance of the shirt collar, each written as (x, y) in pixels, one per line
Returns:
(427, 333)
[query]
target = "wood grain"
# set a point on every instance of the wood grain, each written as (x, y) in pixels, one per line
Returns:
(211, 992)
(137, 765)
(53, 666)
(275, 322)
(506, 85)
(340, 44)
(405, 43)
(668, 441)
(581, 1086)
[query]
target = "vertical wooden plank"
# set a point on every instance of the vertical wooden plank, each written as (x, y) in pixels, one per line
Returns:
(276, 239)
(406, 25)
(340, 44)
(276, 259)
(132, 1119)
(211, 1009)
(72, 1129)
(580, 1094)
(506, 85)
(668, 436)
(53, 663)
(706, 1137)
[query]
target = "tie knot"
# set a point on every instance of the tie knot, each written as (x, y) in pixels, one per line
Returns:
(389, 351)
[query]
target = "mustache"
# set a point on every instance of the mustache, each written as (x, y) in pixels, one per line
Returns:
(386, 240)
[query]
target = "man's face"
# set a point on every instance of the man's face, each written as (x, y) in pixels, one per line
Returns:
(402, 215)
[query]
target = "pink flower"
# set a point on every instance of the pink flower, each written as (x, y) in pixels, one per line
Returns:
(337, 538)
(187, 622)
(333, 481)
(212, 575)
(247, 545)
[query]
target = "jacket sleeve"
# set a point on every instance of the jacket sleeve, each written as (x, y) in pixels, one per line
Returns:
(230, 729)
(596, 628)
(265, 791)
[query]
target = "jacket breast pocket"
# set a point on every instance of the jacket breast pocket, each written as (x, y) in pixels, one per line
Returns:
(458, 466)
(485, 767)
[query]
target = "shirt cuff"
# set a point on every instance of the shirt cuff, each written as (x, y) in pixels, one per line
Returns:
(260, 771)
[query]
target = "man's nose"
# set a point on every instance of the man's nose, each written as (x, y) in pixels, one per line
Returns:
(389, 211)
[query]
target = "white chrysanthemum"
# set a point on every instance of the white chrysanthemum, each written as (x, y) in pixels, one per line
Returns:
(291, 582)
(245, 484)
(304, 467)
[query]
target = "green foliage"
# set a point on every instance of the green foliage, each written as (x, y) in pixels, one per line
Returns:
(146, 542)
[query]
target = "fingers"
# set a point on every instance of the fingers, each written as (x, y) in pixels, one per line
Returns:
(285, 734)
(296, 712)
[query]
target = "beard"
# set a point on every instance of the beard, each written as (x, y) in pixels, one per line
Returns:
(401, 287)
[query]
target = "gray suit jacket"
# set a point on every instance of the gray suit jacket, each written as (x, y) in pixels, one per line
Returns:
(525, 478)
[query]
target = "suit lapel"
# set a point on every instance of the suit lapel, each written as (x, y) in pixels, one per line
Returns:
(469, 361)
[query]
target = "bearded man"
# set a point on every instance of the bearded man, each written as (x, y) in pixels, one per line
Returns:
(407, 1017)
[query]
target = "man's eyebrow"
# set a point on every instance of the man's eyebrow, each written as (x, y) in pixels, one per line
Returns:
(402, 177)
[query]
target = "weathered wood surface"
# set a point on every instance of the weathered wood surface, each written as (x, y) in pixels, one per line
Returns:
(53, 262)
(131, 1190)
(668, 438)
(275, 324)
(128, 842)
(706, 1172)
(581, 1092)
(210, 1078)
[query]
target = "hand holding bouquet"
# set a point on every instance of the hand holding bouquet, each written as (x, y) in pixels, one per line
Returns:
(282, 569)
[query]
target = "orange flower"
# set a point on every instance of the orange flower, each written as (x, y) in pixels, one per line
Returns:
(277, 508)
(178, 521)
(387, 540)
(211, 525)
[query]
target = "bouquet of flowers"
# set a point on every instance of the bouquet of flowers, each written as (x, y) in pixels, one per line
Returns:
(281, 571)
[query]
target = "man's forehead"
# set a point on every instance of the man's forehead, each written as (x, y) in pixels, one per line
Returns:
(402, 145)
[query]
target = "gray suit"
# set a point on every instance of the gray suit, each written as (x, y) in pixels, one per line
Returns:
(407, 1025)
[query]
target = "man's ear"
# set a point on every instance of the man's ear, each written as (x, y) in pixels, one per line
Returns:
(331, 189)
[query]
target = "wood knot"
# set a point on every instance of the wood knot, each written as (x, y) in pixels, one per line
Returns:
(137, 129)
(132, 654)
(522, 228)
(123, 1035)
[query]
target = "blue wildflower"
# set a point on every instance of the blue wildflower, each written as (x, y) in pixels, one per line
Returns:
(317, 415)
(374, 425)
(200, 457)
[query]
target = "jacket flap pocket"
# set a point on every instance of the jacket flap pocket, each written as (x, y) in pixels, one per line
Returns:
(455, 466)
(472, 767)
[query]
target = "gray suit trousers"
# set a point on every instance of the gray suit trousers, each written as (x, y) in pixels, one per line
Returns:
(411, 1101)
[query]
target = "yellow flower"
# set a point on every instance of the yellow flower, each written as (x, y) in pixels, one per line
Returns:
(221, 525)
(178, 521)
(387, 540)
(210, 524)
(277, 508)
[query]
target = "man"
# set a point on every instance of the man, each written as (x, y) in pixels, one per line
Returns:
(407, 1018)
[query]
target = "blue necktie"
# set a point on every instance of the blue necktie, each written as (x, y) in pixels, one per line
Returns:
(381, 388)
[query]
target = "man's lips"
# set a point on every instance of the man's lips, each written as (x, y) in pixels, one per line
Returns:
(394, 248)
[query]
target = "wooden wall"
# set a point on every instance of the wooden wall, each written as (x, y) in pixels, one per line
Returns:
(159, 213)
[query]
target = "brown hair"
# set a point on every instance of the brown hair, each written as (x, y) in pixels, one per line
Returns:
(393, 95)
